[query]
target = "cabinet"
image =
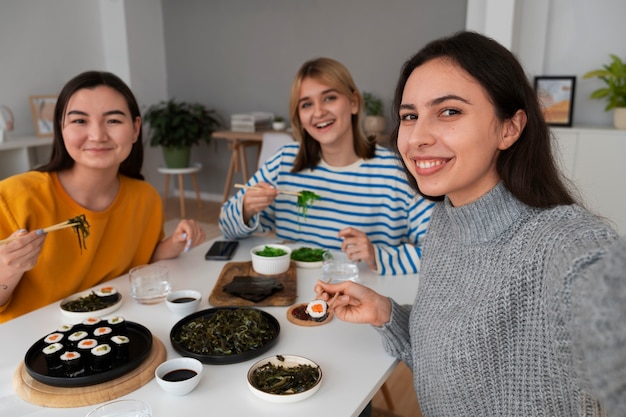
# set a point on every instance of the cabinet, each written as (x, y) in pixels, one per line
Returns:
(19, 154)
(594, 159)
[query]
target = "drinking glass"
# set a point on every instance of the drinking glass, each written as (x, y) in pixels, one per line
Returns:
(337, 267)
(149, 284)
(122, 408)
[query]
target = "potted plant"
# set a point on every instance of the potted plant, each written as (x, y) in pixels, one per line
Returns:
(374, 122)
(614, 76)
(278, 123)
(176, 126)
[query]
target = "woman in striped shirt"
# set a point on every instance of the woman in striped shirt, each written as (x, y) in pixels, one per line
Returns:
(367, 207)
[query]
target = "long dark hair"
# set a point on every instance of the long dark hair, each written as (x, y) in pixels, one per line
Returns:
(334, 74)
(60, 159)
(527, 168)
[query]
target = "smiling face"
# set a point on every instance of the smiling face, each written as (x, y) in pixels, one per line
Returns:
(98, 129)
(449, 136)
(326, 114)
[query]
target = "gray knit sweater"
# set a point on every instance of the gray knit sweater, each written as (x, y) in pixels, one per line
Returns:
(490, 332)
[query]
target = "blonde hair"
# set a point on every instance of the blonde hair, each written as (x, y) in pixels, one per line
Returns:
(335, 75)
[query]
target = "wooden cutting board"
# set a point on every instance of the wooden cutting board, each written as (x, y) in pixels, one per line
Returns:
(285, 297)
(38, 393)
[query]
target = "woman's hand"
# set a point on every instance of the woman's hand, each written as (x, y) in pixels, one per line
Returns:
(257, 199)
(188, 234)
(355, 303)
(17, 257)
(358, 247)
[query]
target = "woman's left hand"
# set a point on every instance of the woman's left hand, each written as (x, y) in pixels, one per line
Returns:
(188, 234)
(358, 247)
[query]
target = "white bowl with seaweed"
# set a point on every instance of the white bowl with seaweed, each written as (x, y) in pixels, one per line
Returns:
(266, 378)
(307, 257)
(96, 302)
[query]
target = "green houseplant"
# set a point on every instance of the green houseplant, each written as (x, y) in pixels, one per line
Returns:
(374, 122)
(176, 126)
(614, 91)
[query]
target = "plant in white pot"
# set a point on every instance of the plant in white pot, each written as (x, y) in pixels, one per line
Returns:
(614, 76)
(176, 126)
(374, 122)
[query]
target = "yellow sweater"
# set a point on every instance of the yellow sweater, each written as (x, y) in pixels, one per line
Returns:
(121, 237)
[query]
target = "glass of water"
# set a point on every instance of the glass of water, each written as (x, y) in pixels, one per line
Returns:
(337, 267)
(149, 284)
(122, 408)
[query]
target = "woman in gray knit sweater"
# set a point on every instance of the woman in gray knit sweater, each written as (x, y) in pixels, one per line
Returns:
(504, 322)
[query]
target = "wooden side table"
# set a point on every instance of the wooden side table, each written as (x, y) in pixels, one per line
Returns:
(192, 170)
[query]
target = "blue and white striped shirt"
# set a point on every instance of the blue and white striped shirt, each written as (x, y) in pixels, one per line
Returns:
(371, 195)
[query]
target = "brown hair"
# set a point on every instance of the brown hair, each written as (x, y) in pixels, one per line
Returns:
(60, 159)
(527, 168)
(334, 74)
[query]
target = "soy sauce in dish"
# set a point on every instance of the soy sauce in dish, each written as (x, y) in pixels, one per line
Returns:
(178, 375)
(183, 300)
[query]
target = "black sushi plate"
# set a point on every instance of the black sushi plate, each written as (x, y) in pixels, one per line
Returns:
(224, 359)
(139, 348)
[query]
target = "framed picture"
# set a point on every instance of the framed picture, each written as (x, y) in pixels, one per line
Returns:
(556, 95)
(43, 114)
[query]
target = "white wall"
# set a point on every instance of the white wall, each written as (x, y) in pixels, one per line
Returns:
(44, 43)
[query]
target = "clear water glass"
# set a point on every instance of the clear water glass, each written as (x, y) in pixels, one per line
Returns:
(149, 284)
(122, 408)
(337, 267)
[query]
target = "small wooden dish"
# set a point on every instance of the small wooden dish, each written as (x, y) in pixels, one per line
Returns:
(306, 323)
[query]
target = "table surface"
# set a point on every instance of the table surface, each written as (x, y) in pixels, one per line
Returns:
(351, 356)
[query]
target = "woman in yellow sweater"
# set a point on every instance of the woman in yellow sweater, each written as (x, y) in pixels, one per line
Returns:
(95, 170)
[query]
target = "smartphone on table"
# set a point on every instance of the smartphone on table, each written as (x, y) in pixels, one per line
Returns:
(221, 250)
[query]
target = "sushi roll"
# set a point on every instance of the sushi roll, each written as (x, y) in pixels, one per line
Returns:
(102, 333)
(53, 338)
(65, 328)
(118, 324)
(52, 354)
(120, 345)
(76, 337)
(101, 358)
(107, 294)
(84, 348)
(72, 363)
(317, 310)
(91, 322)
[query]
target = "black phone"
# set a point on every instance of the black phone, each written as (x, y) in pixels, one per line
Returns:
(221, 250)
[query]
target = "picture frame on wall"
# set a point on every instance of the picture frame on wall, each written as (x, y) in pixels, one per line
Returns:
(556, 95)
(42, 108)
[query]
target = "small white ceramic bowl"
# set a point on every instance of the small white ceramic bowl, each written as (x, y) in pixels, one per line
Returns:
(183, 302)
(266, 265)
(286, 361)
(174, 384)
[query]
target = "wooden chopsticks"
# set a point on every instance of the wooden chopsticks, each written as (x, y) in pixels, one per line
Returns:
(59, 226)
(259, 188)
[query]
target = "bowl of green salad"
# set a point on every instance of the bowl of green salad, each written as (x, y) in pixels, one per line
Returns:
(270, 259)
(307, 257)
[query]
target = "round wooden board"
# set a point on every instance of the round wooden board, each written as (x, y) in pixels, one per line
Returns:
(38, 393)
(306, 323)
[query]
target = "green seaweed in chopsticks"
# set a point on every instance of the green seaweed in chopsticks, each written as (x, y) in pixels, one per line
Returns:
(306, 200)
(82, 230)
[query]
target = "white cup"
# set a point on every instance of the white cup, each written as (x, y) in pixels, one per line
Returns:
(337, 267)
(149, 284)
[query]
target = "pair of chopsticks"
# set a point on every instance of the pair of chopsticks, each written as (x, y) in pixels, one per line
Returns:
(259, 188)
(59, 226)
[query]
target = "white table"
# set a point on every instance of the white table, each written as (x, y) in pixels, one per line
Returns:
(351, 356)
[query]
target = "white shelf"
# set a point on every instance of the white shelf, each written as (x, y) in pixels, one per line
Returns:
(593, 158)
(19, 154)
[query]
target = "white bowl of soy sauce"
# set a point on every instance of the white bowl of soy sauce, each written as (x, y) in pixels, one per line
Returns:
(179, 376)
(183, 302)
